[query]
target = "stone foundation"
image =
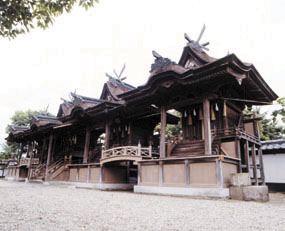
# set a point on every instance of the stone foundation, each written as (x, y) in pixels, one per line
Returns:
(250, 193)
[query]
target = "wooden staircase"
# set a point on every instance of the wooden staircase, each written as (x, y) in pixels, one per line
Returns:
(194, 148)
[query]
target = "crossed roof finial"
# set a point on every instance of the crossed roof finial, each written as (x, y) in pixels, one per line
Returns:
(196, 44)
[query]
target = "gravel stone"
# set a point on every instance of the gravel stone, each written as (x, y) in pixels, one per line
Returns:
(40, 207)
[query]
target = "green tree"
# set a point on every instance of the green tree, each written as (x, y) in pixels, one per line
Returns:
(281, 111)
(20, 118)
(269, 129)
(19, 16)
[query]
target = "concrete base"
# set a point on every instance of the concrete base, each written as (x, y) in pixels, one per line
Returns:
(11, 178)
(179, 191)
(250, 193)
(240, 179)
(106, 187)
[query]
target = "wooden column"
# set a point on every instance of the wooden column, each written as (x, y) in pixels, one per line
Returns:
(107, 136)
(187, 173)
(21, 152)
(207, 127)
(30, 162)
(237, 147)
(254, 164)
(43, 149)
(88, 174)
(139, 173)
(101, 175)
(49, 155)
(219, 169)
(162, 132)
(86, 146)
(128, 171)
(246, 157)
(261, 165)
(160, 173)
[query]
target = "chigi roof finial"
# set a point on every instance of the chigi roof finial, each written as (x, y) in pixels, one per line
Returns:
(196, 44)
(118, 77)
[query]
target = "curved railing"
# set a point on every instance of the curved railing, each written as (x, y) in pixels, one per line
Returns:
(127, 151)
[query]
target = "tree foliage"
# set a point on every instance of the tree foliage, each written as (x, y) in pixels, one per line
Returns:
(269, 128)
(20, 118)
(19, 16)
(281, 111)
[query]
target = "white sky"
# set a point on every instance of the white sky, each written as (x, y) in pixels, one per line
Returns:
(39, 68)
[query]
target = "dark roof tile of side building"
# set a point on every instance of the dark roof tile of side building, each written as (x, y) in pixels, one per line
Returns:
(273, 144)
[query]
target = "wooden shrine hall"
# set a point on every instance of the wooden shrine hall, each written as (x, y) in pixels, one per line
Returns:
(112, 143)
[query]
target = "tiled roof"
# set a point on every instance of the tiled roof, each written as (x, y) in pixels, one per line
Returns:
(273, 145)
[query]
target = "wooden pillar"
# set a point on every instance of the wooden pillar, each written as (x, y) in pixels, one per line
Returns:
(86, 146)
(261, 165)
(237, 147)
(30, 162)
(21, 152)
(53, 149)
(88, 174)
(254, 164)
(128, 171)
(160, 173)
(49, 156)
(207, 127)
(187, 173)
(107, 136)
(219, 169)
(139, 173)
(246, 157)
(162, 132)
(43, 150)
(101, 175)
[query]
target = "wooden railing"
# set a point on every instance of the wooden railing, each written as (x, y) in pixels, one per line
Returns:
(127, 151)
(54, 166)
(238, 132)
(171, 143)
(26, 161)
(38, 170)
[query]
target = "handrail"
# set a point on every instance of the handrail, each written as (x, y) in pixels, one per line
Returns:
(239, 131)
(56, 165)
(26, 161)
(127, 151)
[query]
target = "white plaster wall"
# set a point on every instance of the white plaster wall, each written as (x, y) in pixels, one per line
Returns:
(274, 168)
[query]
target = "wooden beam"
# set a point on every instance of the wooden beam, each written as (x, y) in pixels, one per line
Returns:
(86, 146)
(49, 155)
(162, 132)
(254, 164)
(207, 127)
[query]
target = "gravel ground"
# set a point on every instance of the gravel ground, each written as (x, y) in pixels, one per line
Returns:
(39, 207)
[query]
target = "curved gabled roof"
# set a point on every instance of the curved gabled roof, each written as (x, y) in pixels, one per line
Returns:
(113, 88)
(208, 71)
